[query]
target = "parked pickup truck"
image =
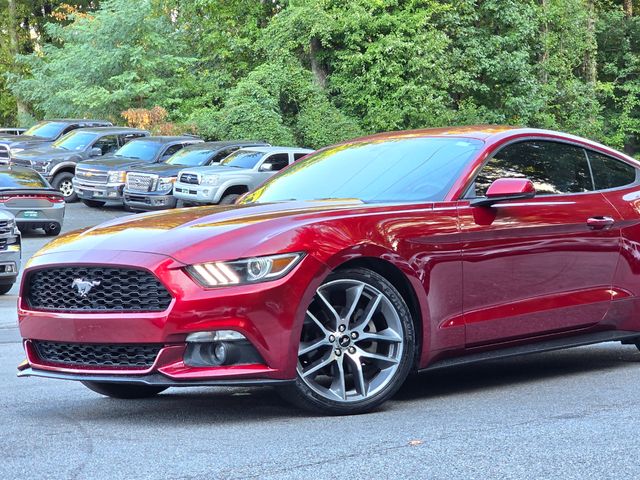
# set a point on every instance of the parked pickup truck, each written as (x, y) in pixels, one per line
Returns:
(150, 187)
(10, 251)
(101, 180)
(41, 134)
(12, 131)
(240, 172)
(57, 162)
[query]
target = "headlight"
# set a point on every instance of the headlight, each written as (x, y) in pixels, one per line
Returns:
(13, 151)
(248, 270)
(210, 180)
(117, 177)
(165, 183)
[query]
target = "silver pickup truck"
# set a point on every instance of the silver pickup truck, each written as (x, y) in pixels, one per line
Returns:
(239, 173)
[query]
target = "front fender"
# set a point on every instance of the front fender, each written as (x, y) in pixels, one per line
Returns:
(240, 181)
(67, 164)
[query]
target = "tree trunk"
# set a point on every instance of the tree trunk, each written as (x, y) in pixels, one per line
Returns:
(628, 8)
(589, 65)
(14, 50)
(317, 68)
(544, 56)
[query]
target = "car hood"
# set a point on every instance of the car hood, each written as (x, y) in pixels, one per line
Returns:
(111, 163)
(192, 235)
(161, 169)
(22, 141)
(43, 154)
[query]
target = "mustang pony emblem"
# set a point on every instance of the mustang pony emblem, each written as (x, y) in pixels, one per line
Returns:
(84, 286)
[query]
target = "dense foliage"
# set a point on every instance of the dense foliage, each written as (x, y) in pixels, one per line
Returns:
(313, 72)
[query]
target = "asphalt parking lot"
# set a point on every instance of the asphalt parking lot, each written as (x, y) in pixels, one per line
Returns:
(569, 414)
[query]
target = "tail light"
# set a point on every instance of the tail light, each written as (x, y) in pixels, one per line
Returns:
(50, 198)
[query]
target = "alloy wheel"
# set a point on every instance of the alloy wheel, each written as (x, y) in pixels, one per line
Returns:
(352, 341)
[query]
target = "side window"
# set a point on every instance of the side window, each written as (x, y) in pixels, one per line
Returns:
(554, 168)
(610, 173)
(298, 156)
(171, 150)
(277, 161)
(108, 144)
(128, 137)
(221, 155)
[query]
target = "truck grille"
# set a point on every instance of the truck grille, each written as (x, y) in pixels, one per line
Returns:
(98, 355)
(4, 153)
(5, 227)
(94, 176)
(96, 289)
(140, 182)
(21, 162)
(190, 178)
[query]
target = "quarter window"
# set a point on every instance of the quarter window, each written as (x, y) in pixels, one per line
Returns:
(610, 173)
(554, 168)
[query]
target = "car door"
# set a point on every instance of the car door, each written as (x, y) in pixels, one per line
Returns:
(543, 265)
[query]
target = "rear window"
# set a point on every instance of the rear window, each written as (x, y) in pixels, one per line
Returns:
(21, 179)
(610, 173)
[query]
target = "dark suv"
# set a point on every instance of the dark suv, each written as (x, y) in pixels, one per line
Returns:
(101, 180)
(150, 186)
(42, 133)
(57, 162)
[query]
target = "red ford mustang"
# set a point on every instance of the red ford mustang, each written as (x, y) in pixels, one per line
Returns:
(345, 272)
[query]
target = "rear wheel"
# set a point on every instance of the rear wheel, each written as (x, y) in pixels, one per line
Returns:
(122, 390)
(356, 347)
(93, 203)
(4, 289)
(52, 230)
(229, 199)
(62, 182)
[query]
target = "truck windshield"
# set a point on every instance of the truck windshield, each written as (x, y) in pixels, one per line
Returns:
(140, 150)
(48, 130)
(76, 140)
(190, 157)
(242, 159)
(381, 170)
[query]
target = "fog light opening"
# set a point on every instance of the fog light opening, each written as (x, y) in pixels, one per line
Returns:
(219, 348)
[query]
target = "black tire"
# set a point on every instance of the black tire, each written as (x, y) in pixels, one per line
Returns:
(229, 199)
(93, 203)
(123, 390)
(52, 230)
(303, 395)
(62, 183)
(4, 289)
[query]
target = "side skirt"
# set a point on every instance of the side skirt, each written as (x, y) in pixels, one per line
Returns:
(537, 347)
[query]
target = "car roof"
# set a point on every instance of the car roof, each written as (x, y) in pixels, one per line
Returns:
(114, 130)
(229, 143)
(277, 149)
(76, 120)
(170, 139)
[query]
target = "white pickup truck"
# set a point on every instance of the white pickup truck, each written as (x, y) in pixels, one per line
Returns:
(239, 173)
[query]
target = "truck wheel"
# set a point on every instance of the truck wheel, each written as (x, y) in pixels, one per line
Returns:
(4, 289)
(93, 203)
(229, 199)
(52, 229)
(62, 182)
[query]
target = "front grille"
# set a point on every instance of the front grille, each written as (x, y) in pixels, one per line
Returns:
(98, 355)
(3, 244)
(190, 178)
(4, 152)
(6, 227)
(94, 176)
(96, 289)
(140, 182)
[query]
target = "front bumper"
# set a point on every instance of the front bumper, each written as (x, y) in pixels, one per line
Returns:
(10, 264)
(195, 193)
(264, 313)
(98, 191)
(149, 201)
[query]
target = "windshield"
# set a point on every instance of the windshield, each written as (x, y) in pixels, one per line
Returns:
(140, 150)
(242, 159)
(21, 179)
(388, 170)
(48, 130)
(76, 140)
(190, 157)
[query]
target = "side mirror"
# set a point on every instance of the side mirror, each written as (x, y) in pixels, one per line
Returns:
(266, 167)
(95, 152)
(504, 189)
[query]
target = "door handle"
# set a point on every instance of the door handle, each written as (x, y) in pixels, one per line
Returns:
(600, 222)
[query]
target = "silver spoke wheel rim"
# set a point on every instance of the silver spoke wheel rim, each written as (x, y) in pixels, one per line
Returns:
(351, 343)
(66, 188)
